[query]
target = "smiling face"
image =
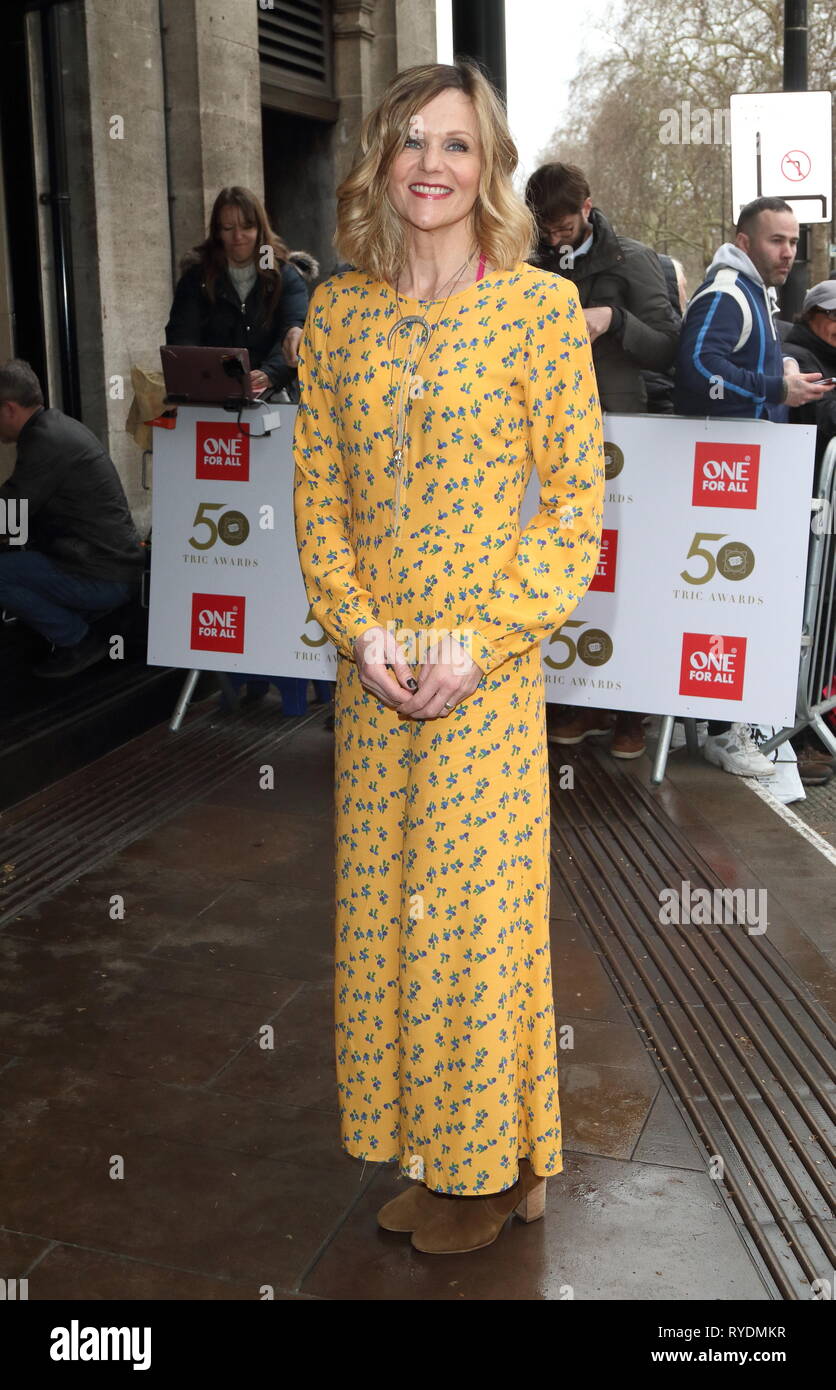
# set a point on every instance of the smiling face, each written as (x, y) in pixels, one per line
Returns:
(434, 180)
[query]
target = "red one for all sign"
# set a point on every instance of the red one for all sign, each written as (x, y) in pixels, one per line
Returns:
(218, 622)
(222, 451)
(726, 475)
(712, 666)
(604, 578)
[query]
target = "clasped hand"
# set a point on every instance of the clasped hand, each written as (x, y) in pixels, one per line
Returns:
(446, 679)
(598, 321)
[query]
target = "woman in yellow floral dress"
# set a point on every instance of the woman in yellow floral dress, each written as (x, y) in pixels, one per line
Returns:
(434, 376)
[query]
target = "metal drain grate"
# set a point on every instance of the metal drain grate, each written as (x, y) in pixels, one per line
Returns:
(65, 831)
(748, 1052)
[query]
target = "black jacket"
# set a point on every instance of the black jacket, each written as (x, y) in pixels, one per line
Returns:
(813, 354)
(659, 385)
(626, 276)
(197, 321)
(77, 510)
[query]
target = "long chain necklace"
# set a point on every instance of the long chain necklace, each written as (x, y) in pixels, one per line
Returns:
(404, 394)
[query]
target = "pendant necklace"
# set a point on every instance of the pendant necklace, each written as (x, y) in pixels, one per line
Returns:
(404, 394)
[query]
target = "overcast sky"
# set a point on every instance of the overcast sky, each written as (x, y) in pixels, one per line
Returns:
(543, 41)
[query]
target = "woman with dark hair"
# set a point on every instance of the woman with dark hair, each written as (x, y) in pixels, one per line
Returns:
(240, 288)
(435, 377)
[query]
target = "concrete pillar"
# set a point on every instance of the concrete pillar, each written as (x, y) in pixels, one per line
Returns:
(416, 32)
(353, 79)
(130, 285)
(374, 39)
(214, 107)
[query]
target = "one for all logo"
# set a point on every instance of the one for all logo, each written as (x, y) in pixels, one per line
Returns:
(218, 622)
(726, 475)
(604, 578)
(712, 666)
(222, 451)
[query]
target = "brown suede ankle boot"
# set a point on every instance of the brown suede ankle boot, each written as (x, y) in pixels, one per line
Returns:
(470, 1223)
(412, 1208)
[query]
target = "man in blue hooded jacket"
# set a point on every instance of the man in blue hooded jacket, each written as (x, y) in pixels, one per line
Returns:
(730, 364)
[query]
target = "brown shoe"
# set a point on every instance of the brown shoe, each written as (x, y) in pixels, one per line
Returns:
(471, 1223)
(575, 727)
(628, 739)
(814, 769)
(409, 1209)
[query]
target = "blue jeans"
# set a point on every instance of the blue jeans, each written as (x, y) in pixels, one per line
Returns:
(54, 602)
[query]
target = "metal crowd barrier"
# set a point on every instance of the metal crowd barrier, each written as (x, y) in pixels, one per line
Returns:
(816, 694)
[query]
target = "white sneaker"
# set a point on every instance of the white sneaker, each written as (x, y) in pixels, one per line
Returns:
(735, 751)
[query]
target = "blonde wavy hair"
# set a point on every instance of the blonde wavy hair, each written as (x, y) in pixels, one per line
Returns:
(371, 235)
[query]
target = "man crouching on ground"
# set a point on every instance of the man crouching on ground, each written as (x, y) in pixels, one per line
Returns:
(65, 501)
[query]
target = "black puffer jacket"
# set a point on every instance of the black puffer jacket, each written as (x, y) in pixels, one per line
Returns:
(198, 321)
(813, 354)
(624, 275)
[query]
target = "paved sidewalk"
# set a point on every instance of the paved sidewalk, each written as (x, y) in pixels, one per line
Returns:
(818, 810)
(156, 1145)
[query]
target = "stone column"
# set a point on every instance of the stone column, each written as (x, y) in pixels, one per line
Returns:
(213, 83)
(123, 261)
(374, 39)
(353, 77)
(416, 33)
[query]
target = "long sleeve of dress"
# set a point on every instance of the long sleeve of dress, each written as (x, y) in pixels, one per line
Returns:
(321, 497)
(558, 550)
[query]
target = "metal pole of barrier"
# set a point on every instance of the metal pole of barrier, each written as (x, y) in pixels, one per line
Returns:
(821, 673)
(662, 748)
(818, 640)
(183, 700)
(691, 741)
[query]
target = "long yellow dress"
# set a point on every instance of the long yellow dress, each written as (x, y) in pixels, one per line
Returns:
(445, 1032)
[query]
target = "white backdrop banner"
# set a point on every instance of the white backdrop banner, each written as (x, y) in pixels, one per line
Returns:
(695, 609)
